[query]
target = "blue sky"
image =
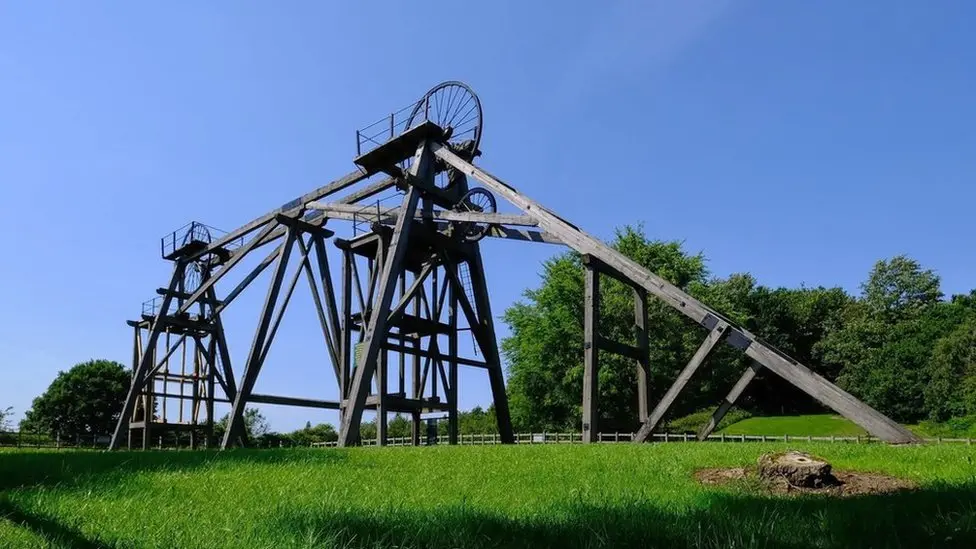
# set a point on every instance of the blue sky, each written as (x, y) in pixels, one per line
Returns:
(799, 141)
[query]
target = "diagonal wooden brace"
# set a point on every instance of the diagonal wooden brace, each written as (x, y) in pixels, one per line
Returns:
(679, 384)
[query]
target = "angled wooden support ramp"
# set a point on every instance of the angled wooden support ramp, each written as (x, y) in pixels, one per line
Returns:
(730, 399)
(816, 386)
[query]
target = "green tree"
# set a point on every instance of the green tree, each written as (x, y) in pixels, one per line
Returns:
(951, 390)
(5, 415)
(85, 400)
(323, 432)
(544, 352)
(899, 288)
(884, 347)
(255, 424)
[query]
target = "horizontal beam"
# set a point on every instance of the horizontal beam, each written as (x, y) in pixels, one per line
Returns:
(317, 219)
(184, 295)
(497, 231)
(395, 403)
(293, 401)
(389, 215)
(292, 206)
(618, 348)
(427, 354)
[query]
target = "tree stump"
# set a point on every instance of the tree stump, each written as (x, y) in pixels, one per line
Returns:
(797, 468)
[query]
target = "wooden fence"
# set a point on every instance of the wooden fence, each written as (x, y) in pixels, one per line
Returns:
(577, 438)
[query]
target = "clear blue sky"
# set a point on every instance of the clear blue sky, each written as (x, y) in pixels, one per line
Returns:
(799, 141)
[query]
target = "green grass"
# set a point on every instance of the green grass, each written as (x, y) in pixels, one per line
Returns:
(817, 425)
(565, 496)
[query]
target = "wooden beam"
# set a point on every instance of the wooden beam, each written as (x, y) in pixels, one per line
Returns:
(407, 294)
(184, 295)
(291, 206)
(865, 416)
(294, 401)
(643, 357)
(389, 215)
(618, 348)
(139, 374)
(730, 399)
(317, 219)
(214, 278)
(832, 396)
(327, 333)
(235, 427)
(499, 231)
(689, 370)
(591, 356)
(375, 334)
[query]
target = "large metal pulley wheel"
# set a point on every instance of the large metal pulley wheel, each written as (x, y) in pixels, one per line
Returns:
(456, 109)
(477, 200)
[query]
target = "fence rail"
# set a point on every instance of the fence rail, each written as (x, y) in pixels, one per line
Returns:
(24, 439)
(609, 438)
(31, 439)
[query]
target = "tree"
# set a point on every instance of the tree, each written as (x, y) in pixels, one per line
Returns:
(5, 417)
(900, 288)
(323, 432)
(544, 352)
(951, 391)
(255, 424)
(884, 347)
(85, 400)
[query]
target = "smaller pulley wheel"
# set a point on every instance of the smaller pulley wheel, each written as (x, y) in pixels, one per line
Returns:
(477, 200)
(193, 277)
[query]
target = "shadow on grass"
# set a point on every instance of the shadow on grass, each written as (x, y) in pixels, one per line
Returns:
(54, 532)
(75, 468)
(938, 517)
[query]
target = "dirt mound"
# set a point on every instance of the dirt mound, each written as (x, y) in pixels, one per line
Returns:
(846, 483)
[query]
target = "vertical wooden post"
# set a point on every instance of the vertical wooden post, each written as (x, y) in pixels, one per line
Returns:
(591, 354)
(416, 389)
(345, 346)
(452, 345)
(644, 362)
(489, 346)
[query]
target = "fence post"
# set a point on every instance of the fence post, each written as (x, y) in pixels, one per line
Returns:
(723, 436)
(665, 436)
(742, 437)
(764, 438)
(616, 437)
(685, 436)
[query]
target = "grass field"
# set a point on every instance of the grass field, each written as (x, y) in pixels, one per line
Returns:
(566, 496)
(818, 425)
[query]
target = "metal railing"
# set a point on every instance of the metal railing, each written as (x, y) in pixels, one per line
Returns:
(194, 231)
(390, 126)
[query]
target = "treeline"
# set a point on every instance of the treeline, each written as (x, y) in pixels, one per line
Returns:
(900, 344)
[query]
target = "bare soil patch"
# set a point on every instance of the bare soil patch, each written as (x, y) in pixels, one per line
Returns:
(838, 483)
